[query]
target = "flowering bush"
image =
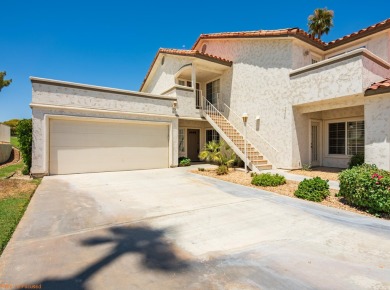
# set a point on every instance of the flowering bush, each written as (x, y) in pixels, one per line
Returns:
(366, 187)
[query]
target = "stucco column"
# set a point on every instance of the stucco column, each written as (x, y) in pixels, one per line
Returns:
(193, 77)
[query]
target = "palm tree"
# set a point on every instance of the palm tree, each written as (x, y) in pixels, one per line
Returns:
(218, 152)
(320, 22)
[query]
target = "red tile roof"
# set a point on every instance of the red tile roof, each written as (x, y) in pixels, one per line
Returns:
(193, 53)
(288, 32)
(379, 87)
(299, 33)
(361, 33)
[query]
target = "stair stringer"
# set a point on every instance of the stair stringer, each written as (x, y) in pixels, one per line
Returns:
(230, 143)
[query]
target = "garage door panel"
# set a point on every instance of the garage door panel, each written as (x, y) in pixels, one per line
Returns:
(101, 140)
(86, 146)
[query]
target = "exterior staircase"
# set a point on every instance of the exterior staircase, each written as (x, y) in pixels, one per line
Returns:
(256, 161)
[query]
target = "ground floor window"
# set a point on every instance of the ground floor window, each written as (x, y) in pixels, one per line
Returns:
(212, 135)
(346, 138)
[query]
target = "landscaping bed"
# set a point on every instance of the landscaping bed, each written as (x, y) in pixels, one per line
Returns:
(287, 189)
(328, 173)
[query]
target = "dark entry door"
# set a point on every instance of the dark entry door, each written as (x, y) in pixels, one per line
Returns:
(193, 143)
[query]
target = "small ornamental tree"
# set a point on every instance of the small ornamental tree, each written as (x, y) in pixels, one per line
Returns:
(3, 82)
(24, 133)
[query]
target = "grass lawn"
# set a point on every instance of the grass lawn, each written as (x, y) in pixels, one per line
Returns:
(15, 195)
(15, 141)
(8, 170)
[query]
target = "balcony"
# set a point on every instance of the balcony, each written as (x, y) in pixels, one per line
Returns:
(343, 76)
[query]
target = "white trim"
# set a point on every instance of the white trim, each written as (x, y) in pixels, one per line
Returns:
(346, 50)
(48, 106)
(108, 89)
(326, 134)
(48, 117)
(356, 52)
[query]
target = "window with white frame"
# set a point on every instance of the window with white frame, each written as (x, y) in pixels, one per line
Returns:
(355, 137)
(211, 135)
(346, 138)
(181, 140)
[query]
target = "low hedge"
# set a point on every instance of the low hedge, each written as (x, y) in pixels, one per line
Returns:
(268, 179)
(315, 189)
(184, 161)
(366, 187)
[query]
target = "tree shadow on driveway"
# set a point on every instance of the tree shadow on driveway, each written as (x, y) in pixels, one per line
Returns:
(157, 255)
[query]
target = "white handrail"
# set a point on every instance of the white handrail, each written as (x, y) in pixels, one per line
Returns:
(250, 127)
(231, 131)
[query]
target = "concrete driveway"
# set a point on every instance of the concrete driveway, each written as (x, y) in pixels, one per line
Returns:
(170, 229)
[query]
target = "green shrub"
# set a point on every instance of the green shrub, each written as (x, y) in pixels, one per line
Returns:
(268, 179)
(356, 160)
(24, 132)
(222, 169)
(306, 167)
(366, 187)
(184, 161)
(315, 189)
(200, 169)
(253, 174)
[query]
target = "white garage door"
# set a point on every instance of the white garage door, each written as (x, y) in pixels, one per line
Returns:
(85, 146)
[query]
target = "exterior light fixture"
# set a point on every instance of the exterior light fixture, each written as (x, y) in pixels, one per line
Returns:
(174, 104)
(245, 120)
(245, 117)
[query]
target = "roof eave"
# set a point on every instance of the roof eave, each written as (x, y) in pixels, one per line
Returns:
(379, 91)
(286, 35)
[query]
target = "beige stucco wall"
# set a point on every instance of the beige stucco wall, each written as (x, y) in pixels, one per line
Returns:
(5, 134)
(377, 125)
(5, 152)
(258, 84)
(338, 79)
(164, 76)
(378, 44)
(186, 102)
(51, 101)
(58, 95)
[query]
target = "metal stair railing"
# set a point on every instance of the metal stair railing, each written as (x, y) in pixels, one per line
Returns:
(269, 151)
(228, 131)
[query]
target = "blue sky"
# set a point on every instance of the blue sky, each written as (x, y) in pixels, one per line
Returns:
(112, 43)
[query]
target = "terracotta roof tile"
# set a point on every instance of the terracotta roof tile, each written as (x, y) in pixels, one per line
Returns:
(297, 32)
(263, 33)
(194, 53)
(379, 85)
(361, 33)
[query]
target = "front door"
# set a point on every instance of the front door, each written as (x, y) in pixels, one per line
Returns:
(193, 144)
(315, 144)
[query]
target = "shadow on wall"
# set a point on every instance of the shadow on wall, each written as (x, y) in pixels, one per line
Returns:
(301, 154)
(157, 255)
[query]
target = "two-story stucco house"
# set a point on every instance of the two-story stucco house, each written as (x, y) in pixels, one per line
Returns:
(308, 102)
